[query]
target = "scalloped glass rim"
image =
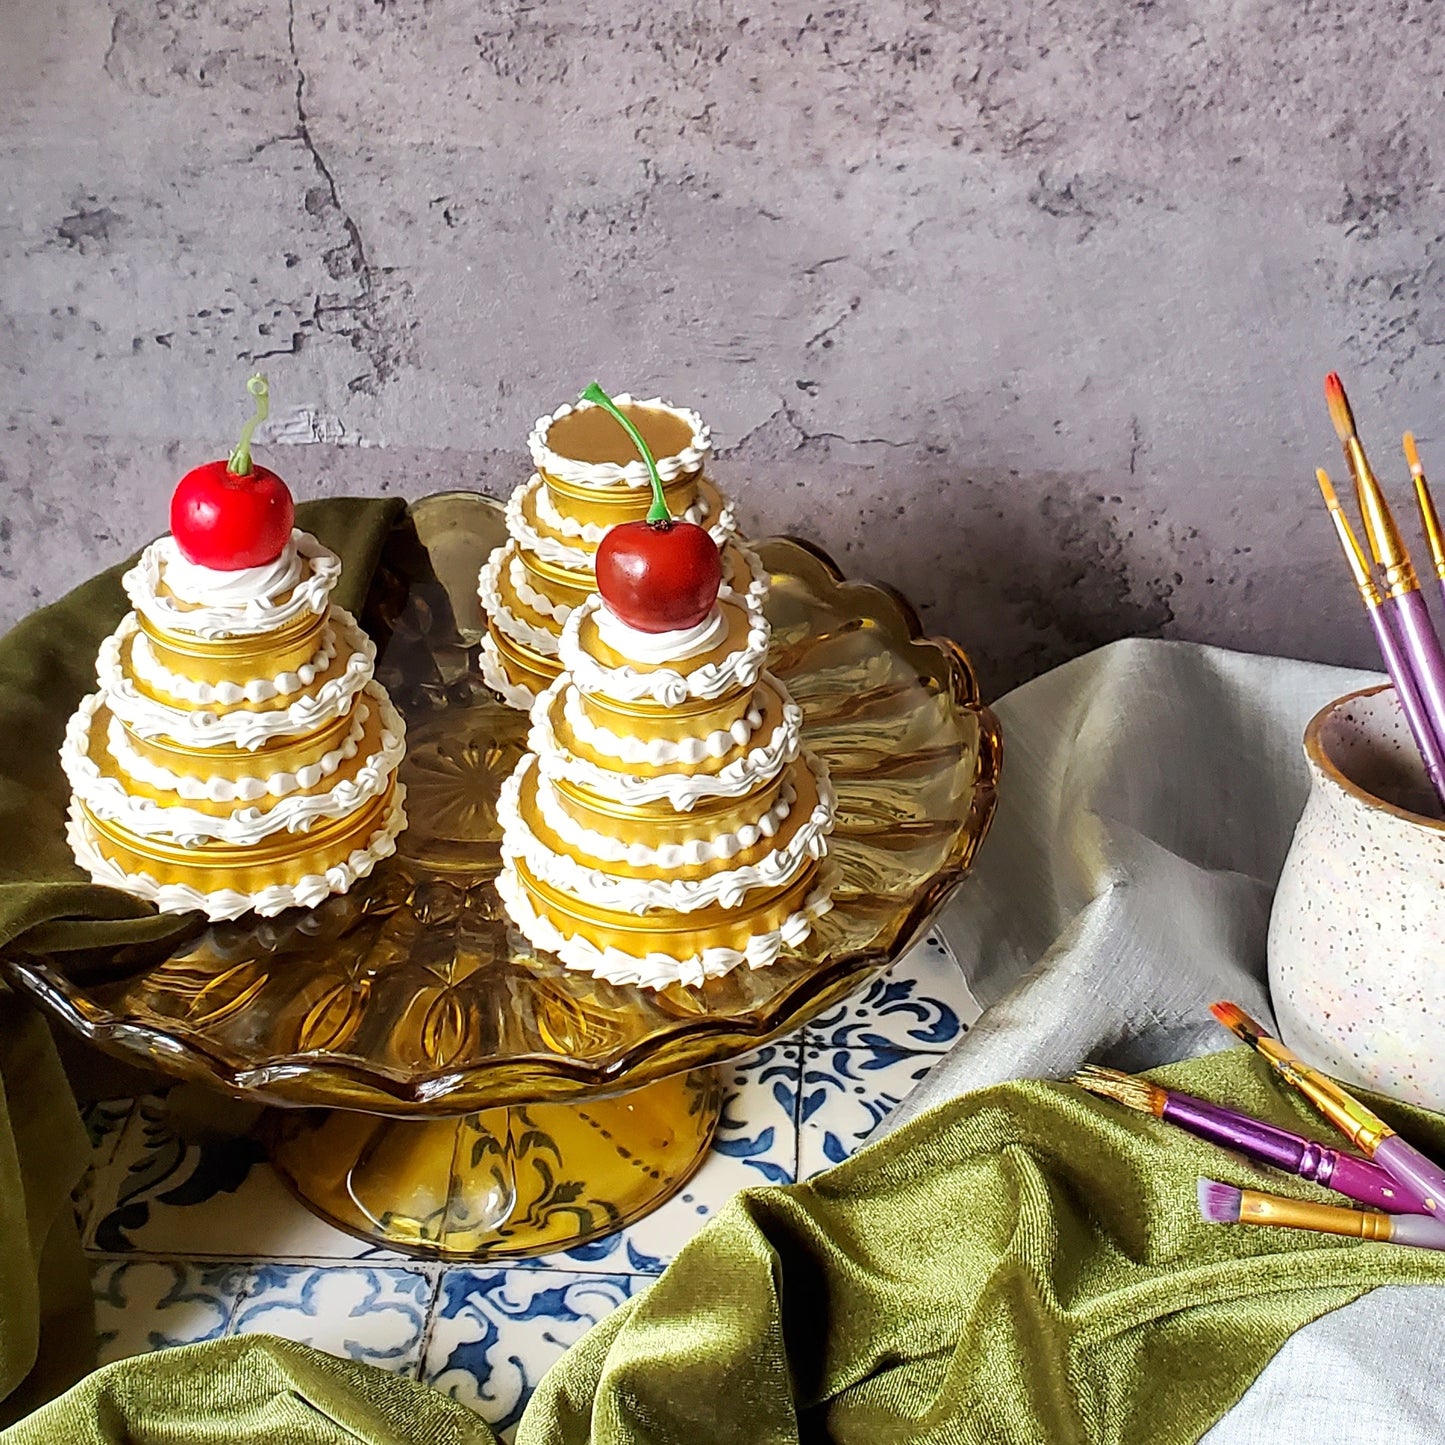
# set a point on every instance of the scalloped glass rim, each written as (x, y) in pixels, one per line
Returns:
(693, 1037)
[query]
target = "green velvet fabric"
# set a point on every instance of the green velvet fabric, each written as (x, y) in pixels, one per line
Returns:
(253, 1388)
(1023, 1264)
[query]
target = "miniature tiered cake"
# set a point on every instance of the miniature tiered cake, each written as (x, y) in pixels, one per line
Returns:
(239, 754)
(667, 824)
(587, 480)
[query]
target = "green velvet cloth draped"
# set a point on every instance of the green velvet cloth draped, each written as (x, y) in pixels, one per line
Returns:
(1024, 1264)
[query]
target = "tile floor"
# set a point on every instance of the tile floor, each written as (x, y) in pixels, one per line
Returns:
(191, 1241)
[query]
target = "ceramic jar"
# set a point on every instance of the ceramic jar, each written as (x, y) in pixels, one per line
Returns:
(1357, 935)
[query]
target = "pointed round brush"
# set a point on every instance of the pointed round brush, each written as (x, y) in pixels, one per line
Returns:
(1397, 664)
(1402, 598)
(1265, 1143)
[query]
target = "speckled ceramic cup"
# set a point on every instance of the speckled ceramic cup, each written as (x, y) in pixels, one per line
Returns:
(1357, 936)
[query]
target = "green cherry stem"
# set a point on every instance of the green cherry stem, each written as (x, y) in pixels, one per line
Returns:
(658, 512)
(240, 463)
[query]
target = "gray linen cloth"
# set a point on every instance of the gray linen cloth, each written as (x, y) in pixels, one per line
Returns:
(1149, 794)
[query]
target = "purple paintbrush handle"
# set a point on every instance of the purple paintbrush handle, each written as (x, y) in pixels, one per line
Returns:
(1422, 648)
(1429, 746)
(1414, 1171)
(1359, 1179)
(1366, 1181)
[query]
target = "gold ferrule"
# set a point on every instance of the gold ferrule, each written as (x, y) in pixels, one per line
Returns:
(1359, 568)
(1430, 521)
(1348, 1115)
(1256, 1208)
(1387, 546)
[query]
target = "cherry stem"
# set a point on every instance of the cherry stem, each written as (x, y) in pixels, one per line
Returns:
(658, 512)
(240, 463)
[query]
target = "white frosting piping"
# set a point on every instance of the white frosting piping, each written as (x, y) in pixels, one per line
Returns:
(759, 584)
(691, 853)
(576, 559)
(228, 903)
(494, 674)
(298, 812)
(528, 595)
(603, 475)
(726, 889)
(657, 647)
(212, 587)
(148, 667)
(319, 567)
(232, 790)
(738, 669)
(147, 718)
(682, 790)
(657, 752)
(502, 616)
(655, 970)
(590, 533)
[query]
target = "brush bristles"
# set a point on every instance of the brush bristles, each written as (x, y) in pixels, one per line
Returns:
(1138, 1094)
(1237, 1022)
(1339, 404)
(1412, 456)
(1327, 489)
(1219, 1203)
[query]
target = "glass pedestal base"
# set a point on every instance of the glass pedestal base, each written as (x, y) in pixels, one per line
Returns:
(504, 1183)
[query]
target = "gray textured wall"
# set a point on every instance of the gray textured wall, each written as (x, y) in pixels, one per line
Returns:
(1020, 307)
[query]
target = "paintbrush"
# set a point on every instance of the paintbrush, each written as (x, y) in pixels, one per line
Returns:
(1431, 748)
(1224, 1204)
(1429, 518)
(1402, 596)
(1264, 1143)
(1363, 1128)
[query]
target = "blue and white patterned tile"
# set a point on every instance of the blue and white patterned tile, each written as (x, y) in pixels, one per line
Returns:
(104, 1122)
(923, 1004)
(846, 1095)
(144, 1304)
(375, 1315)
(218, 1199)
(756, 1143)
(496, 1332)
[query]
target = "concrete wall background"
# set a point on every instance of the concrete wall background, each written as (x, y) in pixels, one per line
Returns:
(1021, 307)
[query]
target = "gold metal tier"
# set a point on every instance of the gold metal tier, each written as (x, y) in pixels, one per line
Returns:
(413, 997)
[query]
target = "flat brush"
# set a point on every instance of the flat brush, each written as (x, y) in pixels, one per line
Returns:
(1265, 1143)
(1224, 1204)
(1365, 1129)
(1430, 747)
(1429, 518)
(1402, 597)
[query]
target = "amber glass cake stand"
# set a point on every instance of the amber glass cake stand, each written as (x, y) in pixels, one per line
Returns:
(441, 1088)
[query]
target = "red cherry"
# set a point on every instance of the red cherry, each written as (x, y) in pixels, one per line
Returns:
(659, 576)
(226, 521)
